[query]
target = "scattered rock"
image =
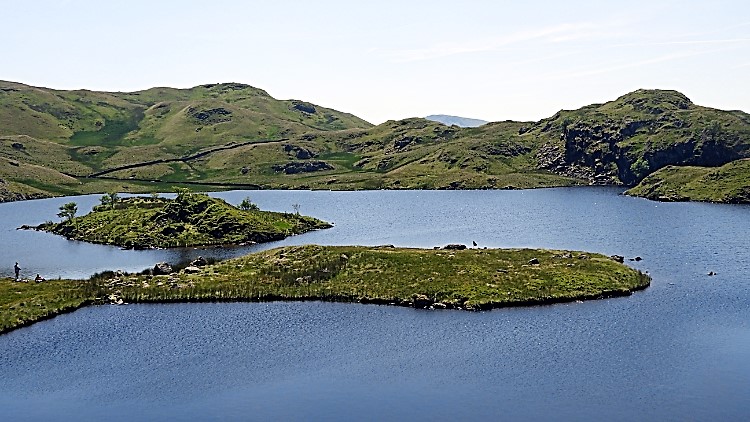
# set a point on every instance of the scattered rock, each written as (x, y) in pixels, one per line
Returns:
(17, 145)
(191, 270)
(583, 256)
(199, 262)
(618, 258)
(455, 247)
(534, 261)
(421, 301)
(244, 170)
(344, 257)
(711, 273)
(162, 268)
(638, 258)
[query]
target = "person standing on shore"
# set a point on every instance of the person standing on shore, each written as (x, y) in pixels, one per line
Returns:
(17, 269)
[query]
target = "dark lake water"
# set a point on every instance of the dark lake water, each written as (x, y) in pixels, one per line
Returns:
(678, 350)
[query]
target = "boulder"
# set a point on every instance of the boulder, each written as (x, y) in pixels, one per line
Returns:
(534, 261)
(162, 268)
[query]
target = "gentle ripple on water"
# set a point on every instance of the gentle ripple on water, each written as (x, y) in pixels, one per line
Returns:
(678, 350)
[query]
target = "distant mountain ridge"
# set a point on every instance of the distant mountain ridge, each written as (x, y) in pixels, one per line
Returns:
(456, 120)
(230, 135)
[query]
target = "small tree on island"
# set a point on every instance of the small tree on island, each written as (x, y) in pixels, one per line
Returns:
(247, 205)
(110, 200)
(68, 211)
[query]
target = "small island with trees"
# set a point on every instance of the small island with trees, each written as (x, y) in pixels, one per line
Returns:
(190, 219)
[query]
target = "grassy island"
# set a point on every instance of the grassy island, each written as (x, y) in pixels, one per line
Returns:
(191, 219)
(471, 279)
(729, 184)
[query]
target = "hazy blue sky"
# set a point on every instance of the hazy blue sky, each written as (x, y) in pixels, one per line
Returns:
(493, 60)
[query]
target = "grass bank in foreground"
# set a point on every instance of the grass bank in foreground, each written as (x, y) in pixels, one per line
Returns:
(471, 279)
(23, 303)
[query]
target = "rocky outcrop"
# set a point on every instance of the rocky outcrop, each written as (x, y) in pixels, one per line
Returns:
(299, 152)
(210, 116)
(302, 167)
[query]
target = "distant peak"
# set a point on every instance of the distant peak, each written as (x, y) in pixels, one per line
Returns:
(455, 120)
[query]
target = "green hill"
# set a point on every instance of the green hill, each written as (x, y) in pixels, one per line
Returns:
(234, 135)
(622, 141)
(729, 183)
(188, 220)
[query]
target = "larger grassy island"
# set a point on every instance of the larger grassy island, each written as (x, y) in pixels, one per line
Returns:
(471, 279)
(190, 219)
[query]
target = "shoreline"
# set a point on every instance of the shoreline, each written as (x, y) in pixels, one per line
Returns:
(404, 303)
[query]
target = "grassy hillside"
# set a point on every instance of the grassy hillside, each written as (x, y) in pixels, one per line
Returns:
(188, 220)
(729, 183)
(466, 279)
(238, 136)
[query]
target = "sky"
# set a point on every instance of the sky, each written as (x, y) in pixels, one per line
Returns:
(492, 60)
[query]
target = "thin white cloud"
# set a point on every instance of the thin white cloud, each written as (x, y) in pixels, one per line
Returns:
(628, 65)
(557, 33)
(690, 42)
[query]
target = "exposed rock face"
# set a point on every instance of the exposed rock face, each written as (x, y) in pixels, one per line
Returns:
(302, 167)
(303, 107)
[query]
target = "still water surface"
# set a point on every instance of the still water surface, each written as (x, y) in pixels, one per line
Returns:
(678, 350)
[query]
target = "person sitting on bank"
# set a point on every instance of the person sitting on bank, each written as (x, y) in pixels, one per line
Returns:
(39, 278)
